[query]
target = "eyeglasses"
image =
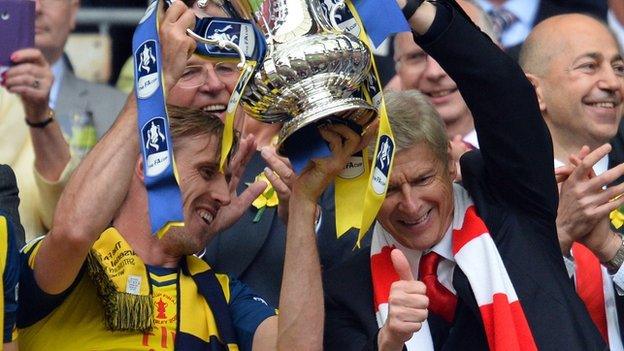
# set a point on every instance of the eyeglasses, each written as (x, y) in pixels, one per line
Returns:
(414, 59)
(197, 75)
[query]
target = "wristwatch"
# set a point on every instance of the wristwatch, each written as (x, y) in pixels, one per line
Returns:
(614, 264)
(43, 123)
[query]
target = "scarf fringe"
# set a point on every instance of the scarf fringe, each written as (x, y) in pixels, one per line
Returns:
(122, 311)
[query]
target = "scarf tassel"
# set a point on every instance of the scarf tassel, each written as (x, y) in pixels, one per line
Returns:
(123, 311)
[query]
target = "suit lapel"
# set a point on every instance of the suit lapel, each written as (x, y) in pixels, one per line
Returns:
(464, 291)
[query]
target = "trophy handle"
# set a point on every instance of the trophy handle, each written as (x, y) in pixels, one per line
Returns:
(332, 14)
(223, 44)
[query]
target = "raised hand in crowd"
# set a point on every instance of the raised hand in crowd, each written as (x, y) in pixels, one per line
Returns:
(584, 204)
(302, 292)
(172, 30)
(407, 306)
(31, 78)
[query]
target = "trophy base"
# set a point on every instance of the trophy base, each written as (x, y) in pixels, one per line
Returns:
(354, 112)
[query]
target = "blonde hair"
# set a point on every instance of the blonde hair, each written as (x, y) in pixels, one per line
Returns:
(185, 122)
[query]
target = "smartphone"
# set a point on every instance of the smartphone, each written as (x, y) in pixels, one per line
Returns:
(17, 28)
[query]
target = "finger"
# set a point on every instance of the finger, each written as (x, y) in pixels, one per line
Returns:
(410, 314)
(277, 164)
(254, 190)
(575, 159)
(410, 287)
(367, 137)
(610, 194)
(332, 138)
(239, 161)
(27, 81)
(350, 137)
(32, 55)
(28, 68)
(175, 11)
(245, 149)
(585, 167)
(607, 177)
(562, 173)
(283, 191)
(605, 209)
(584, 152)
(401, 265)
(29, 91)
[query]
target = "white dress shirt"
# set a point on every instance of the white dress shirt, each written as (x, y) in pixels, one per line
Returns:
(471, 138)
(58, 69)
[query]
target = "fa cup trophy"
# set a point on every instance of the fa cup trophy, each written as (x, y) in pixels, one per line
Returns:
(312, 71)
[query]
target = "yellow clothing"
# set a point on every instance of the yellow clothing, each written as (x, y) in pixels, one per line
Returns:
(38, 197)
(74, 320)
(77, 324)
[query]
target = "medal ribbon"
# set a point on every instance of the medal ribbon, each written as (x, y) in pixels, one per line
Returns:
(164, 198)
(163, 193)
(370, 187)
(248, 38)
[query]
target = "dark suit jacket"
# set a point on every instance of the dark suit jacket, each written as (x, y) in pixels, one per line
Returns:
(9, 201)
(254, 252)
(511, 182)
(550, 8)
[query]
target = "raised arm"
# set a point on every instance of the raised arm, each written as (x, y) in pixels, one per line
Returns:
(99, 185)
(299, 325)
(515, 142)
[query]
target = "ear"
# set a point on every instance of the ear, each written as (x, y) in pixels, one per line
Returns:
(138, 168)
(539, 90)
(451, 162)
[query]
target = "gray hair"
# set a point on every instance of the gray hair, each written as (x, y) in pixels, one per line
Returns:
(414, 120)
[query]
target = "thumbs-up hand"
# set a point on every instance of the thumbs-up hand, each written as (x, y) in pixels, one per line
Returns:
(407, 306)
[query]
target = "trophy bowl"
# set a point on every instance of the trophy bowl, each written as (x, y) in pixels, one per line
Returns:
(309, 74)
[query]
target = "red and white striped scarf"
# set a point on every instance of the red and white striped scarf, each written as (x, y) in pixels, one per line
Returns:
(590, 277)
(476, 255)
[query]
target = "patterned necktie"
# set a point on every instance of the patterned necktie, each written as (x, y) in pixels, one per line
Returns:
(502, 19)
(442, 301)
